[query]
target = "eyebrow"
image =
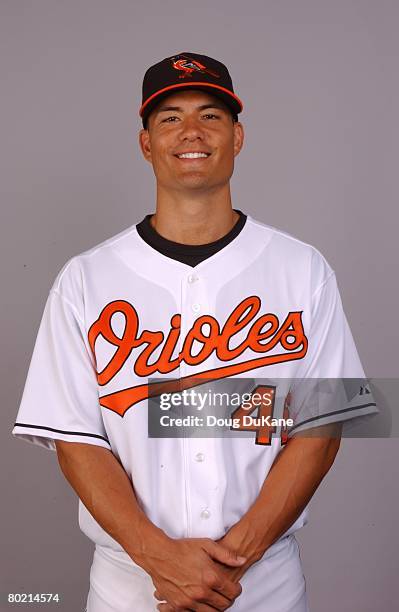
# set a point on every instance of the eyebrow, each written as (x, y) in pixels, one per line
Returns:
(163, 109)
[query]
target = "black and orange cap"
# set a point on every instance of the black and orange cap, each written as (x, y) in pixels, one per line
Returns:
(187, 71)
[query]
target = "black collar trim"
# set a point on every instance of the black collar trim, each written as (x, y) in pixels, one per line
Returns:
(191, 254)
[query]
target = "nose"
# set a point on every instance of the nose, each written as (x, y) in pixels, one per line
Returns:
(191, 129)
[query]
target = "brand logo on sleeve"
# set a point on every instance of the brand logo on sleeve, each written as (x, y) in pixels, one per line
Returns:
(262, 333)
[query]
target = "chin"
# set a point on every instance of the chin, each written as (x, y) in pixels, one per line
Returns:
(193, 179)
(199, 184)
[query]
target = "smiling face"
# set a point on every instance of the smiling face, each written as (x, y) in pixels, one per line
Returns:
(191, 141)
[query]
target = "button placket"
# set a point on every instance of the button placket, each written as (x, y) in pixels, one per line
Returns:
(194, 298)
(202, 480)
(192, 278)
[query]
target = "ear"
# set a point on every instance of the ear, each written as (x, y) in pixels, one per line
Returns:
(145, 144)
(238, 137)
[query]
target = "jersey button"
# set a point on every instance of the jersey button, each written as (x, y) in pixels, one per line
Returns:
(199, 457)
(196, 307)
(205, 514)
(192, 278)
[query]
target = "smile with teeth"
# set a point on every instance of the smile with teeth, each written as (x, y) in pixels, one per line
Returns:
(194, 155)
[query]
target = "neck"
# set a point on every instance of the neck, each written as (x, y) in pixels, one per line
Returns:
(194, 218)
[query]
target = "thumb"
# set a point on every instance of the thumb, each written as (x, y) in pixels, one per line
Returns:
(224, 555)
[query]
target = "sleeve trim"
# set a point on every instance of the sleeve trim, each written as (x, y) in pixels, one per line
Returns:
(61, 431)
(335, 412)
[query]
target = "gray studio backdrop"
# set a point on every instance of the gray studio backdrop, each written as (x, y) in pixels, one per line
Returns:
(320, 90)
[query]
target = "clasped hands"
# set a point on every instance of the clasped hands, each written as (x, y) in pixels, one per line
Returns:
(201, 574)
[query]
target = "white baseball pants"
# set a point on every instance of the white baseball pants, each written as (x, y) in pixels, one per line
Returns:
(273, 584)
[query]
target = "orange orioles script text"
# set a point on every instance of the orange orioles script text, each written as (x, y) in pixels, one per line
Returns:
(263, 334)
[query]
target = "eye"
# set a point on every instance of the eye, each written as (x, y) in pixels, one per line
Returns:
(172, 117)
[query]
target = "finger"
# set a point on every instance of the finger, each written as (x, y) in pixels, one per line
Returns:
(228, 586)
(223, 588)
(165, 607)
(233, 576)
(223, 554)
(160, 597)
(218, 601)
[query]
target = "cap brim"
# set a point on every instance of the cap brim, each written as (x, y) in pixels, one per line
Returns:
(229, 98)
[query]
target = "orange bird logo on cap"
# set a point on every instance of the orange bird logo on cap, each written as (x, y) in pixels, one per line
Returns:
(189, 65)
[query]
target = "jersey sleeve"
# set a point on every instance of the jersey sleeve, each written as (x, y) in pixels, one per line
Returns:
(60, 397)
(331, 385)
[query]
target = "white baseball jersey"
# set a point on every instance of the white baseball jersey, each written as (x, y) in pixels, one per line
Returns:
(121, 314)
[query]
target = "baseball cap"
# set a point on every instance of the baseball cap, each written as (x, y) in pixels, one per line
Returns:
(187, 71)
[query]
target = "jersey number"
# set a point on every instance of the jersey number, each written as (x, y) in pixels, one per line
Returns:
(263, 401)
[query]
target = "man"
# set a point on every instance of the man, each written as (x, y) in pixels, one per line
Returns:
(196, 292)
